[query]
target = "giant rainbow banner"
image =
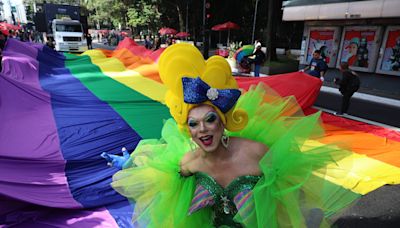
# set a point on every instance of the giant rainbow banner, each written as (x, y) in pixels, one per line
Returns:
(59, 112)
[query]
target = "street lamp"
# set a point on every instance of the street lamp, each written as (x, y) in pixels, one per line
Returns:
(254, 21)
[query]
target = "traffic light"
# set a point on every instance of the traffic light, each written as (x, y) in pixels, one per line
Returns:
(206, 26)
(208, 9)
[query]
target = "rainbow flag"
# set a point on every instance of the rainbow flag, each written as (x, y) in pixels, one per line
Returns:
(59, 112)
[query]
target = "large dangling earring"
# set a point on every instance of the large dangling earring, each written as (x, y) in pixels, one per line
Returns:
(225, 140)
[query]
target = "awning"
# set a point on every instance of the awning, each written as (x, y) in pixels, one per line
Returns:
(345, 10)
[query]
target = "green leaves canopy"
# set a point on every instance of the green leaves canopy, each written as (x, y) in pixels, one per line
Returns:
(124, 12)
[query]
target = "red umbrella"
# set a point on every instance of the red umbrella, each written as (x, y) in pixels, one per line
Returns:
(167, 31)
(182, 34)
(225, 26)
(7, 26)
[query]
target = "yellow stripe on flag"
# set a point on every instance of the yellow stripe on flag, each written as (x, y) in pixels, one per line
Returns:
(116, 70)
(358, 172)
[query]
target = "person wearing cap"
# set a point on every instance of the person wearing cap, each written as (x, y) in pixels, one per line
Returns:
(257, 58)
(317, 66)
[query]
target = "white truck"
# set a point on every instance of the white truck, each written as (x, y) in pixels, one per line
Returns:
(68, 35)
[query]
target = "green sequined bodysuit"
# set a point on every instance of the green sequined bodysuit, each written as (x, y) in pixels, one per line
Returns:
(224, 201)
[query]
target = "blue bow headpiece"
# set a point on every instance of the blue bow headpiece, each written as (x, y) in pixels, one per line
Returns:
(196, 91)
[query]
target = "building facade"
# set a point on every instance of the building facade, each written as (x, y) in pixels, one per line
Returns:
(366, 34)
(13, 12)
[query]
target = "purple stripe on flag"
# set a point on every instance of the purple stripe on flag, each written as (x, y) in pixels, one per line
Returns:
(63, 218)
(31, 163)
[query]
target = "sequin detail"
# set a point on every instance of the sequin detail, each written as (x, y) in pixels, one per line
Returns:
(196, 91)
(226, 201)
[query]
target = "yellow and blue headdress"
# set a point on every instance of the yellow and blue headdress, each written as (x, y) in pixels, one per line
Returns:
(191, 81)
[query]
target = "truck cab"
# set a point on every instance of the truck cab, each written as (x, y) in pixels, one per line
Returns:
(68, 35)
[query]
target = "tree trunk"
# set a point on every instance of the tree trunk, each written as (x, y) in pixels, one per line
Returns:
(124, 19)
(181, 18)
(274, 7)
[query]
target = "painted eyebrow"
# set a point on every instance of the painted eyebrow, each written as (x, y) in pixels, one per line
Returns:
(210, 114)
(205, 116)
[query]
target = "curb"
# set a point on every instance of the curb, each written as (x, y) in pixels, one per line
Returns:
(364, 96)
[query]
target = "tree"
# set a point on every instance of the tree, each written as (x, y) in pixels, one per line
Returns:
(274, 19)
(175, 10)
(143, 13)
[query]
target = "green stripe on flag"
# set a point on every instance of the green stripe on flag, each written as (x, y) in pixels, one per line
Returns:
(143, 114)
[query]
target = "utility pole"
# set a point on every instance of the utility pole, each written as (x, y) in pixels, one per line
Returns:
(187, 15)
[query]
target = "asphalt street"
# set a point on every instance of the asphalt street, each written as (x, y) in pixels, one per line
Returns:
(365, 106)
(377, 209)
(380, 208)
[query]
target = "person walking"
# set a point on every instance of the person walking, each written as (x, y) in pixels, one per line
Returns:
(148, 43)
(348, 85)
(89, 41)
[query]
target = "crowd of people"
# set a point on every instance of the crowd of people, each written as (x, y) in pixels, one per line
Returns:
(24, 35)
(157, 41)
(111, 38)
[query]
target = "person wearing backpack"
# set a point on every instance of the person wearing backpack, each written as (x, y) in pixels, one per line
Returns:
(259, 58)
(348, 85)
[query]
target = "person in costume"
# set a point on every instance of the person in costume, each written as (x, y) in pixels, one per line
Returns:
(227, 159)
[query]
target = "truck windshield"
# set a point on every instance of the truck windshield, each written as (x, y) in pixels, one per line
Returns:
(68, 28)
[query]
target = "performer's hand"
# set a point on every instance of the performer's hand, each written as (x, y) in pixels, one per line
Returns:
(116, 160)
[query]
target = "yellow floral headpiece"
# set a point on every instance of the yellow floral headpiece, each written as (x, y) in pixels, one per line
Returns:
(185, 61)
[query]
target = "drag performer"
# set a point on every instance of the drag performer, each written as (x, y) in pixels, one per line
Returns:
(227, 159)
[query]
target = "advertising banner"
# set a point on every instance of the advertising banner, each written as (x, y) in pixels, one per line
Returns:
(324, 39)
(389, 62)
(359, 48)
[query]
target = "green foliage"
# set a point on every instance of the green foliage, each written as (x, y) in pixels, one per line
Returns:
(124, 12)
(144, 13)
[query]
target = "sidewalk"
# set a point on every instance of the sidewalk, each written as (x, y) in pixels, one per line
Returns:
(385, 86)
(365, 96)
